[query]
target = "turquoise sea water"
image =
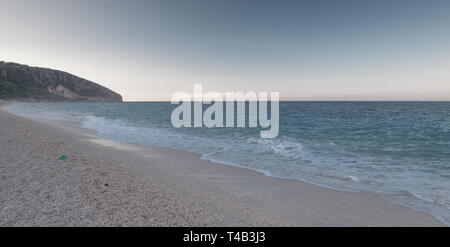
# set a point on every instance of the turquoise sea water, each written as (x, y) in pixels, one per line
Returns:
(400, 150)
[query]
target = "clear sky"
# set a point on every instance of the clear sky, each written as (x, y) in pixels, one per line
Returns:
(306, 50)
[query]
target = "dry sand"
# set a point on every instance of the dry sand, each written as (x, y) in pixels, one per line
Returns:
(104, 183)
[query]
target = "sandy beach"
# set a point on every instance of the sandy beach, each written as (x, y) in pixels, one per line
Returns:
(104, 183)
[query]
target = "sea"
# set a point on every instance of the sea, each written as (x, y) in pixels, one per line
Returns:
(398, 150)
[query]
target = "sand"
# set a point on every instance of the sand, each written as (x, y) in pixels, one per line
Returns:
(104, 183)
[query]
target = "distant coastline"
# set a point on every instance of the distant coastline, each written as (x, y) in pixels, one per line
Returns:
(33, 84)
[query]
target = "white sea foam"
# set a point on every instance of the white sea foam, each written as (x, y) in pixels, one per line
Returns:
(116, 145)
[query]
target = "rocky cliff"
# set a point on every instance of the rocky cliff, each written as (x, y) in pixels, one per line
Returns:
(22, 82)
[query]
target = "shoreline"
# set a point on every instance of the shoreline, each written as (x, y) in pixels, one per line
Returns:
(216, 194)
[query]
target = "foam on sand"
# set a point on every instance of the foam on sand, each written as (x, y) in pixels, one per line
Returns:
(113, 144)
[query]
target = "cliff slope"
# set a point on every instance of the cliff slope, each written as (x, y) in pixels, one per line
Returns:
(22, 82)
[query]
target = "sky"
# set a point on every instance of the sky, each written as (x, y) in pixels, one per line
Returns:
(305, 50)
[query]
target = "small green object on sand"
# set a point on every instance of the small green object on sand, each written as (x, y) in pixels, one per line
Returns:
(63, 157)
